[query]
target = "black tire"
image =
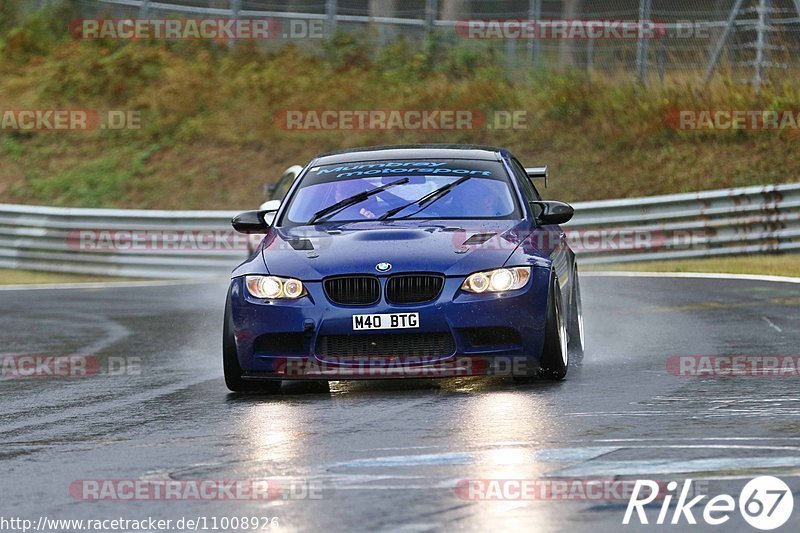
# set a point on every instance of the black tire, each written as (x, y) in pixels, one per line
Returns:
(230, 362)
(555, 356)
(577, 338)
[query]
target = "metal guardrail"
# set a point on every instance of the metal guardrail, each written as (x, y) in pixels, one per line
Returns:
(49, 239)
(746, 220)
(705, 224)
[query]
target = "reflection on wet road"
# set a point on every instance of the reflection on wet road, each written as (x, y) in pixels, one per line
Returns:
(389, 456)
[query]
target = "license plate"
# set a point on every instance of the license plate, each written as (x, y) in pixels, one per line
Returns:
(387, 321)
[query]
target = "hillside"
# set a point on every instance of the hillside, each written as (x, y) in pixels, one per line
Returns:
(211, 119)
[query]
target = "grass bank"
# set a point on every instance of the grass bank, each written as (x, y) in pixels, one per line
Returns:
(209, 136)
(771, 265)
(29, 277)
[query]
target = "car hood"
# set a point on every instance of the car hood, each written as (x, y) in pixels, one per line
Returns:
(452, 248)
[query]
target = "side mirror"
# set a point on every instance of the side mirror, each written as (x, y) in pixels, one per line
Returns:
(252, 221)
(551, 212)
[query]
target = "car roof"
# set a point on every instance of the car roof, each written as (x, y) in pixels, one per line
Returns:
(412, 151)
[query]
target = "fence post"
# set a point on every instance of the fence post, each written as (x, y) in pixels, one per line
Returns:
(330, 12)
(511, 53)
(535, 14)
(761, 42)
(431, 14)
(236, 7)
(714, 59)
(642, 41)
(144, 9)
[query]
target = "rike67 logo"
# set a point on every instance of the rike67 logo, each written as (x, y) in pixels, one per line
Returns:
(766, 503)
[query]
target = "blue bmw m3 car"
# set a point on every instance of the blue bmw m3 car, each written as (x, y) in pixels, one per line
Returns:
(405, 261)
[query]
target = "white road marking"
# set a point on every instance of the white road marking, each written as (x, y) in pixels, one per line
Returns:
(409, 460)
(581, 455)
(672, 466)
(690, 275)
(713, 413)
(568, 455)
(649, 439)
(114, 332)
(772, 324)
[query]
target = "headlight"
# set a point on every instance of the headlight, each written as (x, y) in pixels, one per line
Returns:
(272, 287)
(500, 280)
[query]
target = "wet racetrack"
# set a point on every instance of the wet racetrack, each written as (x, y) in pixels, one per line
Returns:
(388, 455)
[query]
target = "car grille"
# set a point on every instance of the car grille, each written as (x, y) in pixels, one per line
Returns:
(413, 288)
(429, 345)
(353, 290)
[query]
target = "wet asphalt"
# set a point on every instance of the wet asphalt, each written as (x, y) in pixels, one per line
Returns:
(388, 455)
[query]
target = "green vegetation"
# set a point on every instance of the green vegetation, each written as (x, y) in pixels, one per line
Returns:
(209, 137)
(772, 265)
(19, 277)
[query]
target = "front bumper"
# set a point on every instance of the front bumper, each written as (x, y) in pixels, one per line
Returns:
(490, 334)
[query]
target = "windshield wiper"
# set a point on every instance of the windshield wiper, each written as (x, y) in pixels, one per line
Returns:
(324, 214)
(425, 200)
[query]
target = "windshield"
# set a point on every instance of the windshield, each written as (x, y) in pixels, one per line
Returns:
(407, 189)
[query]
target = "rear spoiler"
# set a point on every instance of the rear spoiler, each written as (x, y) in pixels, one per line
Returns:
(537, 172)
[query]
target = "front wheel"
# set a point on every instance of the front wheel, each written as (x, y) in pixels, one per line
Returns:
(555, 355)
(230, 362)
